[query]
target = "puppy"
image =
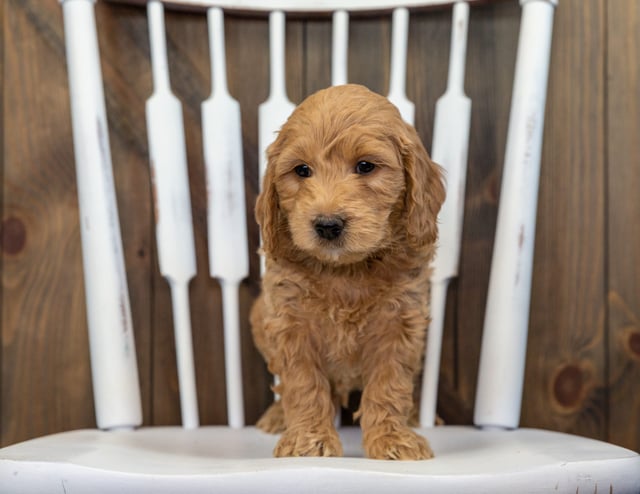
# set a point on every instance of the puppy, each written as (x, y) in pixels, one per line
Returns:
(348, 220)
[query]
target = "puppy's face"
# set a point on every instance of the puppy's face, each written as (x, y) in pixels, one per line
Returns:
(339, 190)
(337, 182)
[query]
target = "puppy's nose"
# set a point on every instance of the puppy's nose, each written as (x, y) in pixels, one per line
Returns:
(328, 227)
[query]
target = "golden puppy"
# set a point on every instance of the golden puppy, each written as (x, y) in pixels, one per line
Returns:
(348, 220)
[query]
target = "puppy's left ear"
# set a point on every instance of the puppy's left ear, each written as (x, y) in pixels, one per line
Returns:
(425, 190)
(267, 211)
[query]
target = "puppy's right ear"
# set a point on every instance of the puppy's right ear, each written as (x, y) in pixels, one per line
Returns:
(268, 213)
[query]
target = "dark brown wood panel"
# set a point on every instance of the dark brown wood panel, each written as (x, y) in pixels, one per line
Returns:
(45, 363)
(2, 228)
(566, 366)
(623, 146)
(317, 66)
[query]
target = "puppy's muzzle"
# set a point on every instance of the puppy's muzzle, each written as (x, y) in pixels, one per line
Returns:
(328, 227)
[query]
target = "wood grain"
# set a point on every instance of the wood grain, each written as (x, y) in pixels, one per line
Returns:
(45, 366)
(3, 225)
(565, 384)
(623, 215)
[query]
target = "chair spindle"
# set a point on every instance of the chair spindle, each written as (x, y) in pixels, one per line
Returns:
(277, 108)
(504, 340)
(398, 72)
(111, 340)
(227, 227)
(174, 224)
(450, 148)
(340, 48)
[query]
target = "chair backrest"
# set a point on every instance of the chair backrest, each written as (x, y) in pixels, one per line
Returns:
(114, 367)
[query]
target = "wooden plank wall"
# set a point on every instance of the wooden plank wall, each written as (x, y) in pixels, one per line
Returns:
(583, 368)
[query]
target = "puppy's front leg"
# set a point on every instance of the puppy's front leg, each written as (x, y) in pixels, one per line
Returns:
(386, 404)
(306, 400)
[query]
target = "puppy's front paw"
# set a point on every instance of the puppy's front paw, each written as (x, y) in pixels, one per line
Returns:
(272, 421)
(300, 442)
(396, 443)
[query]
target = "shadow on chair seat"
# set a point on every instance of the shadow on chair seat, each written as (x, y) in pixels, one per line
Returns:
(218, 459)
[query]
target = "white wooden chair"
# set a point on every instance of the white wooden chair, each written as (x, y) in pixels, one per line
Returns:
(495, 456)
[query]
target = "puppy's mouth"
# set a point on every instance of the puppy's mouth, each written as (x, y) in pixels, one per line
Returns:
(337, 238)
(332, 241)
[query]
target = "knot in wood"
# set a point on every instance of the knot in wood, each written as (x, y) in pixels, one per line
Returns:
(568, 386)
(14, 235)
(634, 343)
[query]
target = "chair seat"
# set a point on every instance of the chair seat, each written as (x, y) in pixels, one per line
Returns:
(220, 459)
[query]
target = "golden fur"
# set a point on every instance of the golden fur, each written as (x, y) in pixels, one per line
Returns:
(350, 312)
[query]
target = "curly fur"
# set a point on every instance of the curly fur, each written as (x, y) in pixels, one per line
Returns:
(351, 312)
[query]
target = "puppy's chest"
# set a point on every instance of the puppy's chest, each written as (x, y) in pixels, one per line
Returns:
(344, 316)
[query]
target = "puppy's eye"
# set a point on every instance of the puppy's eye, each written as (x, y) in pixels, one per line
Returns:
(364, 167)
(302, 170)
